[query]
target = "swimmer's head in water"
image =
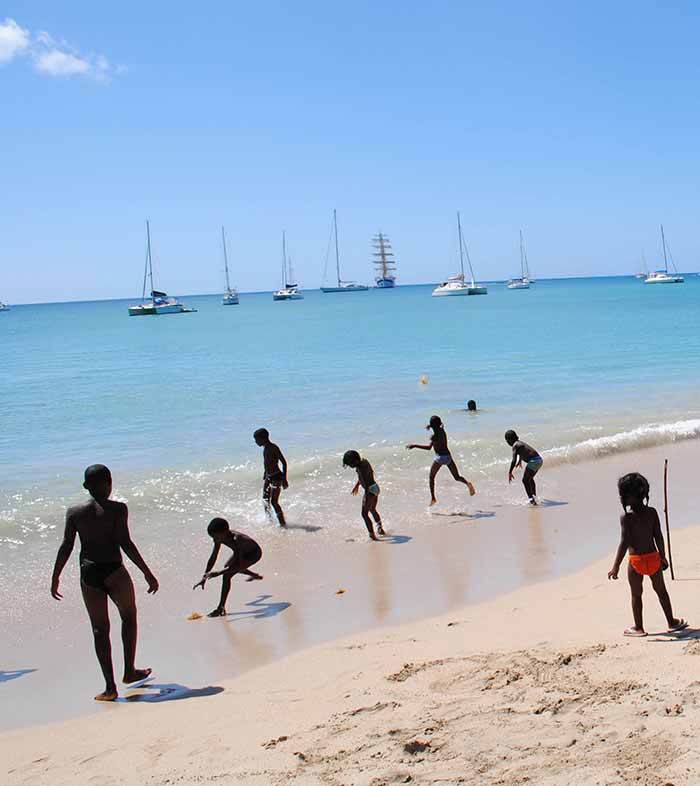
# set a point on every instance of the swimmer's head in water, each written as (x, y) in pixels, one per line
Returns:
(511, 437)
(634, 490)
(98, 481)
(471, 405)
(434, 423)
(351, 458)
(261, 436)
(217, 528)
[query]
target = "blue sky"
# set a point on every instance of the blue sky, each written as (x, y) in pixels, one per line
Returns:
(578, 123)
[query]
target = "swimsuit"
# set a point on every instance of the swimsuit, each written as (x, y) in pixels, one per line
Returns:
(93, 574)
(373, 489)
(534, 464)
(646, 564)
(443, 459)
(275, 479)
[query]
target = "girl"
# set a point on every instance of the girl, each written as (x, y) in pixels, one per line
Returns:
(365, 478)
(443, 457)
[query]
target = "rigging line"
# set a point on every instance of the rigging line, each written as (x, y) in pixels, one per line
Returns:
(328, 253)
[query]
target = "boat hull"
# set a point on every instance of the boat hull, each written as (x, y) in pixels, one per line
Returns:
(229, 300)
(354, 288)
(385, 283)
(459, 291)
(517, 285)
(665, 280)
(154, 311)
(277, 296)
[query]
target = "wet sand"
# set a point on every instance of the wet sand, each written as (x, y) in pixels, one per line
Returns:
(462, 553)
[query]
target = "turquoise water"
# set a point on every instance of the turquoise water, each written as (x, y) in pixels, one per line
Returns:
(170, 403)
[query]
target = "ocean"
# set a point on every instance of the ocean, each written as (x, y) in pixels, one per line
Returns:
(579, 368)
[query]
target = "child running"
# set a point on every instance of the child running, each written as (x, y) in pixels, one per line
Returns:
(443, 457)
(274, 478)
(533, 464)
(102, 526)
(641, 537)
(365, 478)
(246, 552)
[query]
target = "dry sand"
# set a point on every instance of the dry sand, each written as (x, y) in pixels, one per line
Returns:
(534, 687)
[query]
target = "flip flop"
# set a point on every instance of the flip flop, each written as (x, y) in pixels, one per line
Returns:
(634, 633)
(682, 625)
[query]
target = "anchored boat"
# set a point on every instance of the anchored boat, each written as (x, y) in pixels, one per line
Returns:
(384, 262)
(524, 281)
(230, 297)
(457, 285)
(341, 286)
(289, 291)
(663, 276)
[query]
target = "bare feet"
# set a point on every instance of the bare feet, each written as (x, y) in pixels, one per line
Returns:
(678, 625)
(219, 611)
(136, 675)
(108, 694)
(254, 576)
(634, 632)
(533, 501)
(433, 501)
(380, 530)
(472, 490)
(372, 536)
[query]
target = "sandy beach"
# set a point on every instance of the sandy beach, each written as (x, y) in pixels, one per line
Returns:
(533, 686)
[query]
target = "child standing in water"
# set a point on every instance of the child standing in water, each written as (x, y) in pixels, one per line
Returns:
(443, 457)
(102, 526)
(641, 536)
(533, 463)
(365, 479)
(274, 478)
(246, 552)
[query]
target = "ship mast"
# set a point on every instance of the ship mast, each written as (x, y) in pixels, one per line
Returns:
(223, 240)
(383, 256)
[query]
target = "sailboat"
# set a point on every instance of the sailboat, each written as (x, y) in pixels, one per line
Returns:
(4, 307)
(159, 302)
(230, 297)
(384, 262)
(289, 291)
(644, 272)
(457, 285)
(663, 276)
(342, 286)
(524, 281)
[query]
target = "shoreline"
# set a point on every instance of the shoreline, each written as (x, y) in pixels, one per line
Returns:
(439, 568)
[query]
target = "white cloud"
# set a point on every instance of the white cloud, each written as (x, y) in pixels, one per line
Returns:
(51, 56)
(13, 40)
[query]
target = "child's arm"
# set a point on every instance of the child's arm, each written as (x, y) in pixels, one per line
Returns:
(659, 540)
(64, 552)
(621, 550)
(283, 462)
(516, 458)
(210, 564)
(420, 447)
(129, 548)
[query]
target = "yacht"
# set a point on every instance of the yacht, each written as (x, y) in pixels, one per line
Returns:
(341, 286)
(524, 281)
(289, 291)
(663, 276)
(230, 297)
(456, 285)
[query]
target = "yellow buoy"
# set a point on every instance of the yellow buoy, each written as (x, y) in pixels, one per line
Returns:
(423, 380)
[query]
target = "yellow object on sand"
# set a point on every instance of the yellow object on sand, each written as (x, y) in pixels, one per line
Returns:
(423, 380)
(195, 616)
(341, 592)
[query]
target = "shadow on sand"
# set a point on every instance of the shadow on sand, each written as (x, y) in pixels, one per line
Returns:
(396, 540)
(6, 676)
(550, 503)
(260, 609)
(303, 527)
(689, 634)
(170, 691)
(479, 514)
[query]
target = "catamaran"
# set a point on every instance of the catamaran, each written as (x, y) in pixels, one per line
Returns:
(230, 297)
(342, 286)
(4, 307)
(457, 285)
(289, 291)
(663, 276)
(524, 281)
(159, 302)
(384, 262)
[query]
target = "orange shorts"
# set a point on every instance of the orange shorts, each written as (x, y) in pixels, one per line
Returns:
(646, 564)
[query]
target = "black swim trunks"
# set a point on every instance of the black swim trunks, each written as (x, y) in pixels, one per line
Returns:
(275, 479)
(93, 574)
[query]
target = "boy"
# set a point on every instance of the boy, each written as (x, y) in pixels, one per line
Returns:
(101, 524)
(641, 536)
(274, 478)
(365, 478)
(533, 463)
(246, 552)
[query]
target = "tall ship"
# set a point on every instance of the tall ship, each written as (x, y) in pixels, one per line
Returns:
(662, 276)
(524, 281)
(289, 290)
(158, 302)
(341, 285)
(457, 285)
(230, 297)
(384, 262)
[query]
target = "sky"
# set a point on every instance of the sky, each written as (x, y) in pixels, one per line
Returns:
(577, 123)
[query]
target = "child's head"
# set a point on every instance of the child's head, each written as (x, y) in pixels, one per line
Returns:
(218, 529)
(634, 490)
(434, 423)
(351, 458)
(511, 437)
(261, 436)
(98, 481)
(471, 405)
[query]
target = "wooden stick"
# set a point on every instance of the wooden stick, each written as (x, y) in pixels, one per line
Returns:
(668, 531)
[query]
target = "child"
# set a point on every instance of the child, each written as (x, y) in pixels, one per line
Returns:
(274, 478)
(246, 552)
(641, 536)
(365, 478)
(443, 457)
(102, 526)
(533, 463)
(471, 405)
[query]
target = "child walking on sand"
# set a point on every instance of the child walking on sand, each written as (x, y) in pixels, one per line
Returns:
(443, 457)
(246, 552)
(533, 463)
(641, 537)
(274, 478)
(365, 479)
